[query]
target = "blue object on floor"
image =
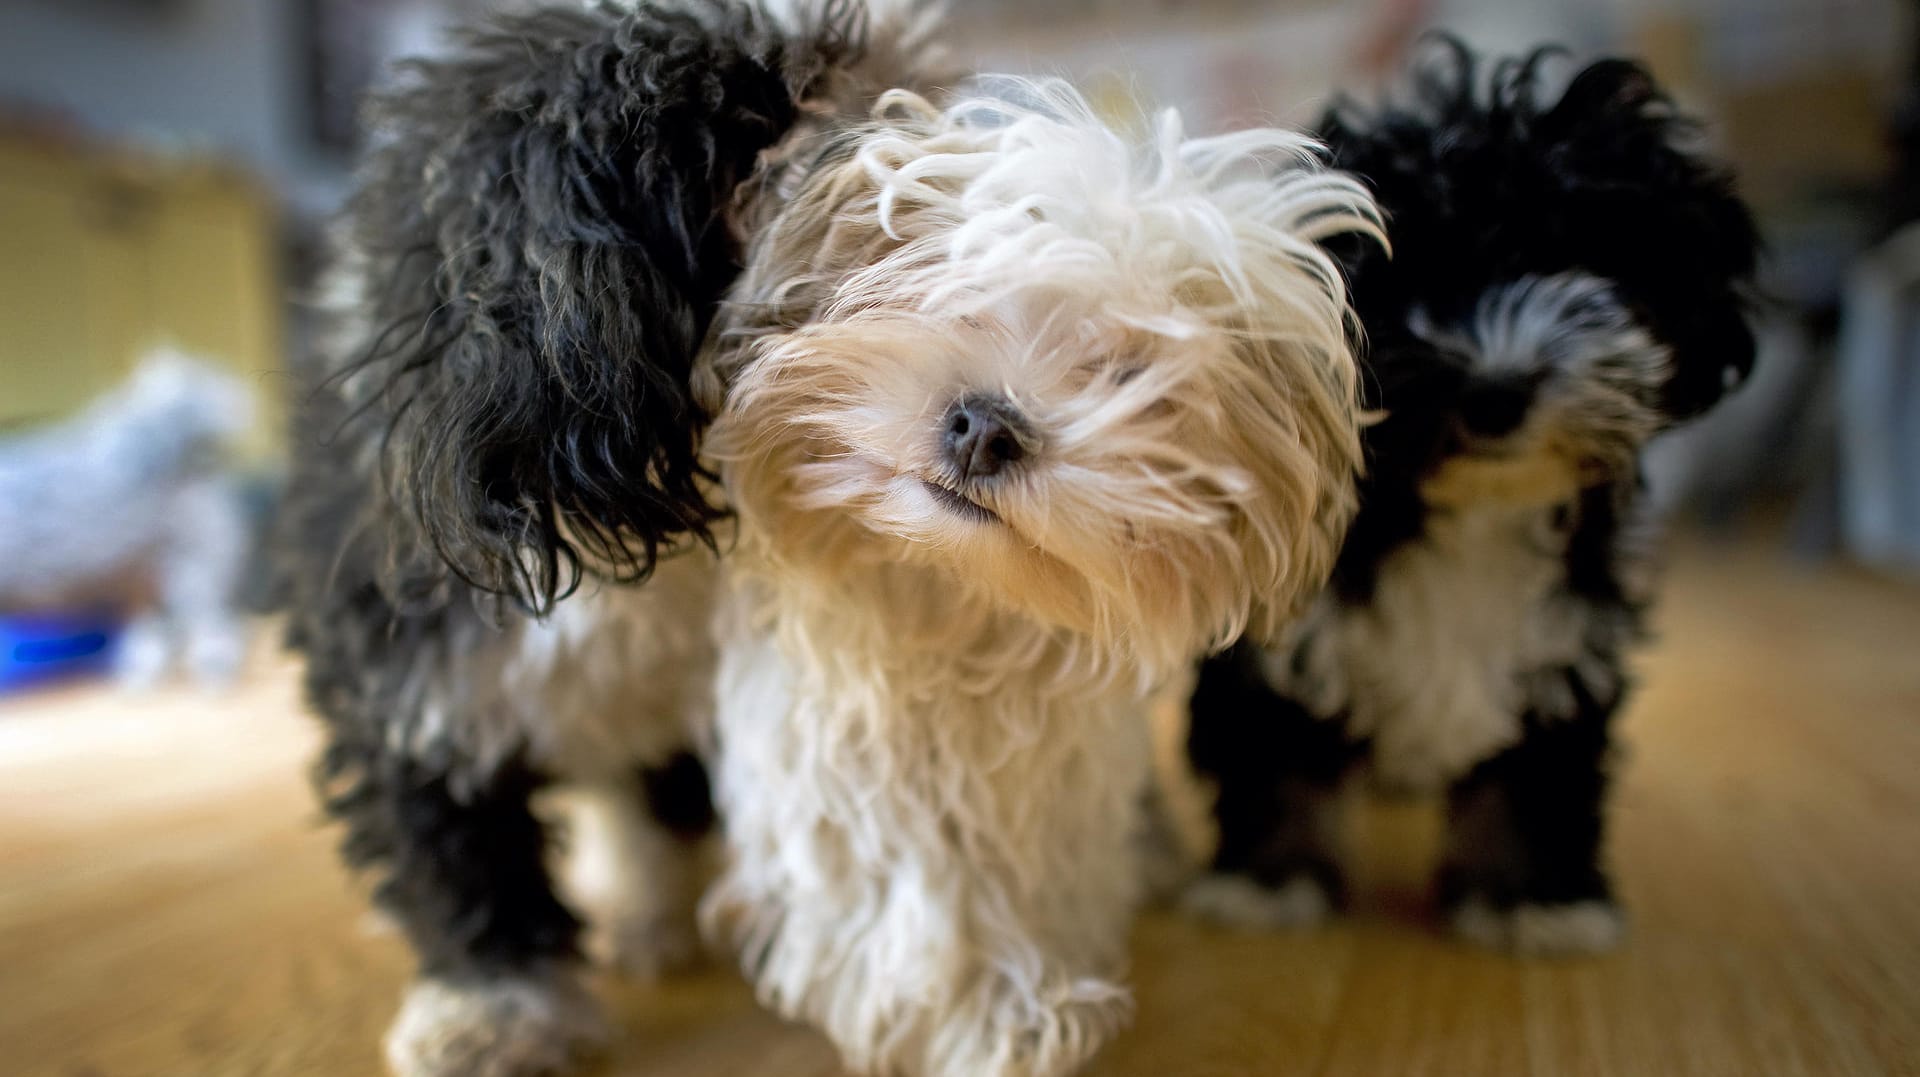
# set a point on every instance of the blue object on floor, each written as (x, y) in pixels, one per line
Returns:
(40, 647)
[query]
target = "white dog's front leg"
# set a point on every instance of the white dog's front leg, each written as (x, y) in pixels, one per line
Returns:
(911, 968)
(937, 912)
(1030, 1026)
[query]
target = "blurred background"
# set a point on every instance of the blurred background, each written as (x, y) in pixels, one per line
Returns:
(167, 168)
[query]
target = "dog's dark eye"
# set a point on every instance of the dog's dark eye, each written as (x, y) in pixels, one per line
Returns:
(1127, 373)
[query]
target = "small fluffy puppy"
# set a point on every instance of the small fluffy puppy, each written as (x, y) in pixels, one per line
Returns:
(1016, 416)
(131, 503)
(1567, 281)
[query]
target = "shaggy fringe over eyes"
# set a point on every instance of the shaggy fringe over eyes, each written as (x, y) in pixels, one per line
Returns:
(1027, 174)
(1601, 374)
(1484, 181)
(1021, 200)
(540, 225)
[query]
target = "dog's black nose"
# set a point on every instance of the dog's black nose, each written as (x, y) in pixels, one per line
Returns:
(983, 435)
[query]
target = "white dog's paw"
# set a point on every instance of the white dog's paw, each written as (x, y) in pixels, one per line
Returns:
(1580, 927)
(647, 948)
(1073, 1030)
(517, 1027)
(1238, 901)
(1014, 1031)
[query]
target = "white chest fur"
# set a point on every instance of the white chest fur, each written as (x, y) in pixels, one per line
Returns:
(932, 844)
(1436, 668)
(616, 676)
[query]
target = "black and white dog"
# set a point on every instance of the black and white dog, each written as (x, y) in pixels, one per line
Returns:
(496, 445)
(1567, 280)
(1015, 415)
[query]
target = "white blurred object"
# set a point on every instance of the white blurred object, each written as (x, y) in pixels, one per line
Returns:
(1879, 395)
(131, 503)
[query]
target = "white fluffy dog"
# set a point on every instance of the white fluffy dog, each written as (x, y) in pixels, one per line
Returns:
(1017, 418)
(129, 503)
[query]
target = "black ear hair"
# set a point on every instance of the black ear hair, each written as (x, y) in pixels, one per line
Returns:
(539, 228)
(1624, 150)
(1484, 181)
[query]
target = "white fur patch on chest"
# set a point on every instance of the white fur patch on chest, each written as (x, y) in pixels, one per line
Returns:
(1434, 670)
(623, 674)
(615, 677)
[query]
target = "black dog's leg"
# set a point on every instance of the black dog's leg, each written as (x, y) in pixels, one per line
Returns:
(461, 866)
(1523, 867)
(1279, 772)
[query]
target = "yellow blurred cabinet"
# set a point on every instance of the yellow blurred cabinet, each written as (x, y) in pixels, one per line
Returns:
(104, 254)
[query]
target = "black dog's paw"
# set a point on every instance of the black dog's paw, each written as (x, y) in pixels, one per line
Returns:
(1541, 929)
(1299, 903)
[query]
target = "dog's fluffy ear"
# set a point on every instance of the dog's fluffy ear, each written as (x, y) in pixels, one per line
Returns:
(1483, 180)
(1688, 254)
(540, 233)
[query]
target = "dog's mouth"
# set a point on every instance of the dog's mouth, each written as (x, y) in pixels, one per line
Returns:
(960, 504)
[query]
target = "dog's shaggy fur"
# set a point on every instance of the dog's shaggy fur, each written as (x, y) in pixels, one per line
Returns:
(1016, 417)
(1568, 280)
(931, 704)
(132, 504)
(496, 445)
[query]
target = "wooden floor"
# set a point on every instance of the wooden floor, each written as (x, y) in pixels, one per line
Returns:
(168, 906)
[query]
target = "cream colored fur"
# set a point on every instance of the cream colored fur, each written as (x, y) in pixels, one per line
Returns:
(932, 743)
(931, 858)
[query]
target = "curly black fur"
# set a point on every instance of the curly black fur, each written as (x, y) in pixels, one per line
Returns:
(526, 273)
(1487, 183)
(1483, 182)
(541, 220)
(464, 871)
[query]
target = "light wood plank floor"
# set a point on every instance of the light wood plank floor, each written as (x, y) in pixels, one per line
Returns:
(168, 906)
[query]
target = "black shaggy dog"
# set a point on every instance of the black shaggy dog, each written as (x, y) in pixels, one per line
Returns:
(497, 444)
(1568, 279)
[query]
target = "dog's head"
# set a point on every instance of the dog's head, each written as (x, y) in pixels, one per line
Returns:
(1101, 383)
(1569, 275)
(538, 244)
